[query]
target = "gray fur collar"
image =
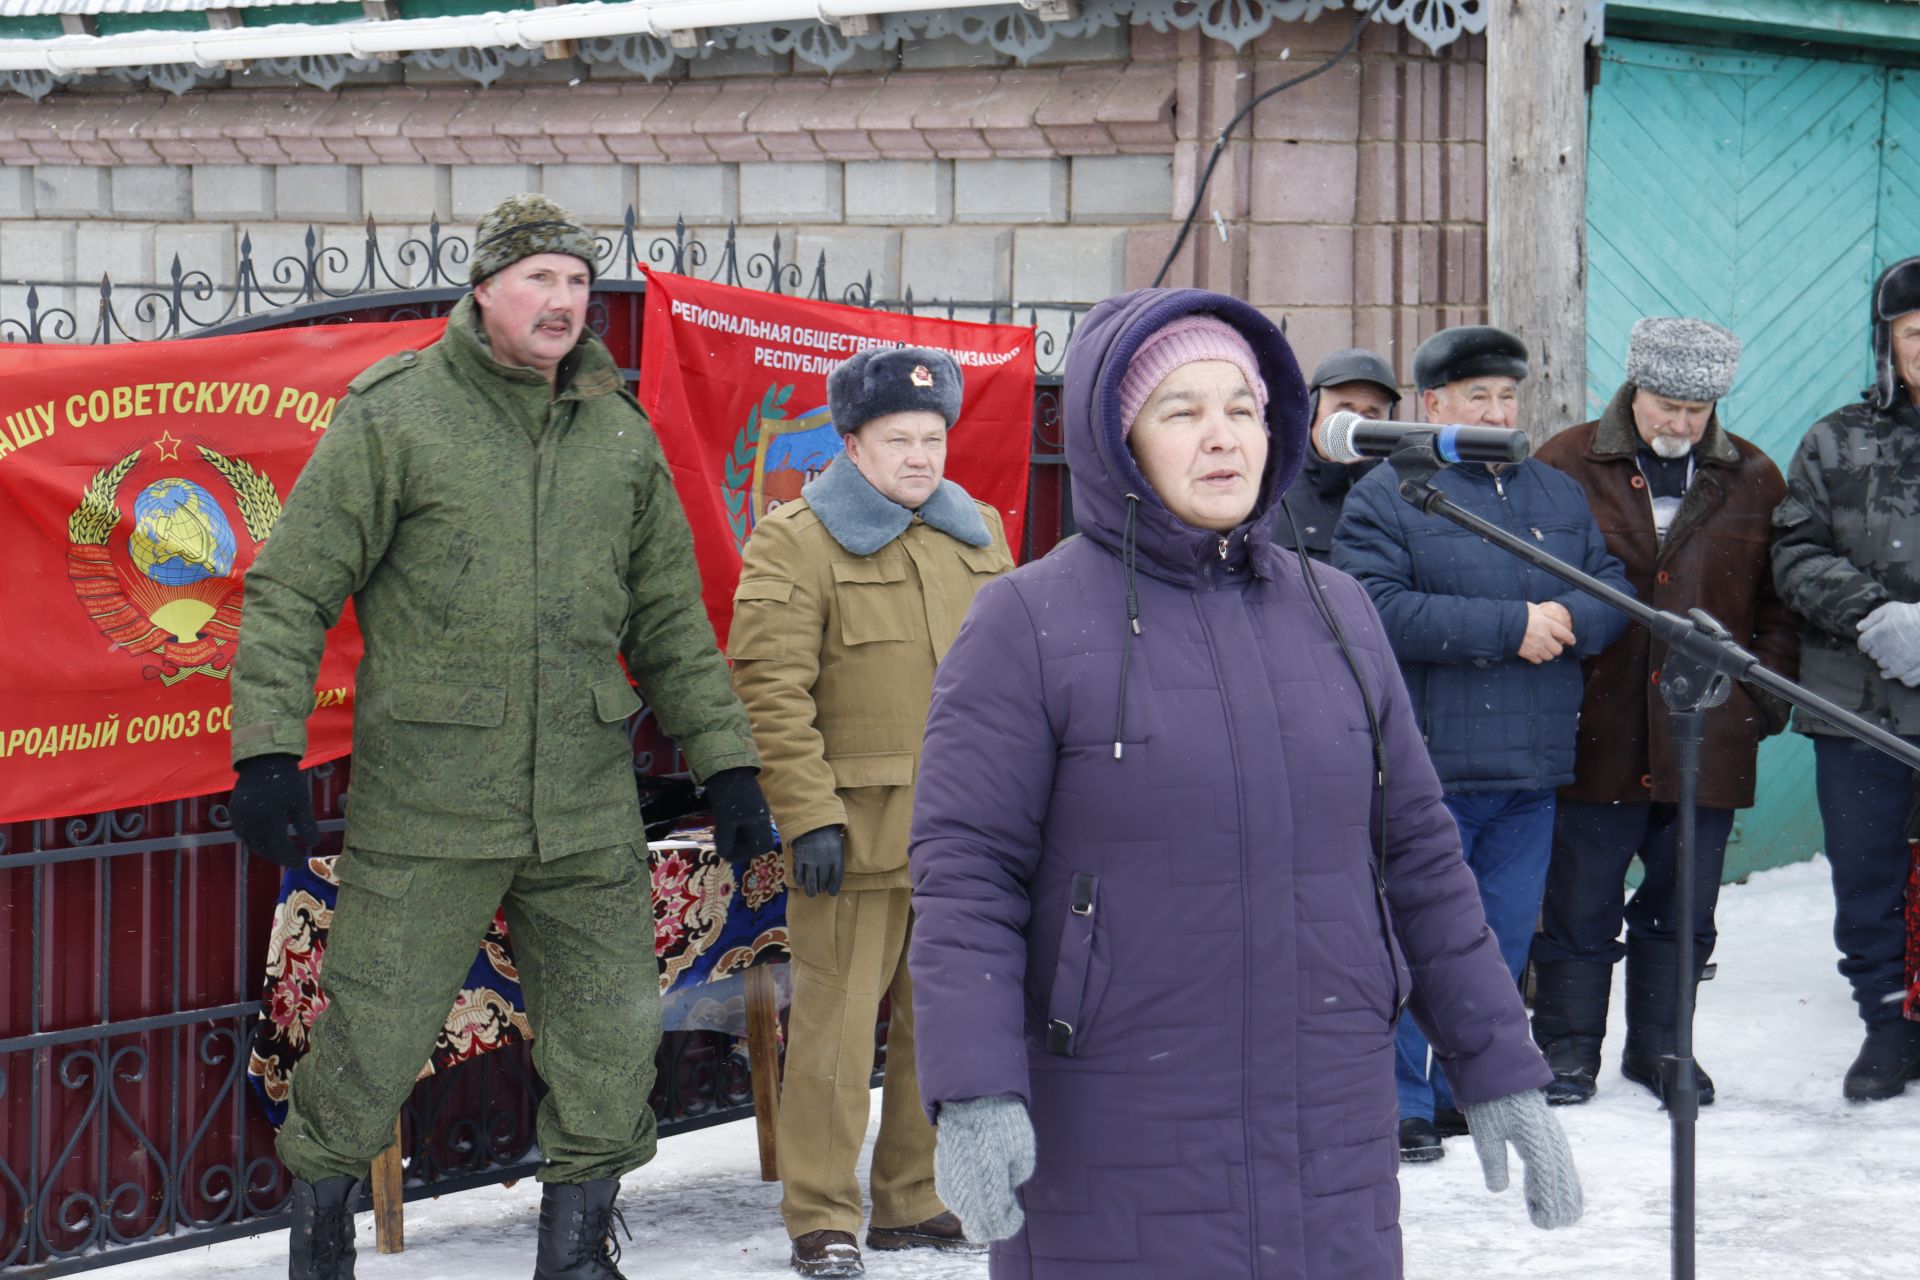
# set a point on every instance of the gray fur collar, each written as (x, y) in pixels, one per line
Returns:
(863, 520)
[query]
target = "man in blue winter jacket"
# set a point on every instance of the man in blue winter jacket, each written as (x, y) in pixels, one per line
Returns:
(1490, 648)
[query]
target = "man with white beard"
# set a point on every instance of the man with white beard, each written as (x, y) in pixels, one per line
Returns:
(1685, 505)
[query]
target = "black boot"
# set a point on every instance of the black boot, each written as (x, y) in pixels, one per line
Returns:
(576, 1231)
(1889, 1058)
(1569, 1022)
(1651, 1001)
(320, 1240)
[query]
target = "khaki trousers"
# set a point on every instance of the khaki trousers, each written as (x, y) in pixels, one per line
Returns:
(849, 950)
(404, 934)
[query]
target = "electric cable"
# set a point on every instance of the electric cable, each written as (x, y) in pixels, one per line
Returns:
(1220, 143)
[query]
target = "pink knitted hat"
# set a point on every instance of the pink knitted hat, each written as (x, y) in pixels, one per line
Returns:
(1183, 341)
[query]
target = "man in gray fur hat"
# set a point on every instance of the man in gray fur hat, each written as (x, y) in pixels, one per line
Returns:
(1683, 504)
(848, 599)
(1846, 558)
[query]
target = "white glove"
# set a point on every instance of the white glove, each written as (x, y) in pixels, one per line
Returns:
(1890, 635)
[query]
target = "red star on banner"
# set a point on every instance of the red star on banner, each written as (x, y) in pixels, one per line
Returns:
(168, 446)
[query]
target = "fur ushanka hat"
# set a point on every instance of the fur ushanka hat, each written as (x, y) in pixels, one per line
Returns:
(1682, 359)
(884, 380)
(1468, 351)
(1894, 294)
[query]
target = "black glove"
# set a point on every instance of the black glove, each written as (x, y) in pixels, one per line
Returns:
(271, 793)
(820, 859)
(742, 828)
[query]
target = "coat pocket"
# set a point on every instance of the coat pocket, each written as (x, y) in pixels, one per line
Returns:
(875, 769)
(990, 559)
(1396, 959)
(1080, 974)
(614, 700)
(479, 706)
(873, 599)
(383, 881)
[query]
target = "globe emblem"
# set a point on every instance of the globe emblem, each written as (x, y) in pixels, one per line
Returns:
(180, 535)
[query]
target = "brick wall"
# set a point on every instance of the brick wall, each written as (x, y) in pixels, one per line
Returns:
(1354, 207)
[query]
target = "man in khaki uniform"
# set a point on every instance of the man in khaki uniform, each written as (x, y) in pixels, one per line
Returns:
(498, 510)
(847, 600)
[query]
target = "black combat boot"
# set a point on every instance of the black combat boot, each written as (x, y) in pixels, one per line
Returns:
(1651, 1001)
(320, 1241)
(1889, 1058)
(576, 1231)
(1569, 1022)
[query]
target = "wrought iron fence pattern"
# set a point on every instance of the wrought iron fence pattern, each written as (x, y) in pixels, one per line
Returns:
(431, 266)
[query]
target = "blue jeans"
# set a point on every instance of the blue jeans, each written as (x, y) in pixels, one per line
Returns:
(1507, 837)
(1863, 807)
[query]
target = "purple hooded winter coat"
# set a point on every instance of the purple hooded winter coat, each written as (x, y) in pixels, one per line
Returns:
(1175, 953)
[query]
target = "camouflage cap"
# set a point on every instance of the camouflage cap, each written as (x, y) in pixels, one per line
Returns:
(521, 226)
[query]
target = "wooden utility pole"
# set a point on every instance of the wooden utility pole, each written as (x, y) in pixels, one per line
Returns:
(1537, 200)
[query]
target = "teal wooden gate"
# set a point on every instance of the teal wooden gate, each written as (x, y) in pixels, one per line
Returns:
(1765, 194)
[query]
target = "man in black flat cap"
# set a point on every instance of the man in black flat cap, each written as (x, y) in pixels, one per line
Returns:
(1490, 648)
(1354, 380)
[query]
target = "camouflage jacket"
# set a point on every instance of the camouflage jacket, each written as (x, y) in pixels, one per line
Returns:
(504, 549)
(1846, 540)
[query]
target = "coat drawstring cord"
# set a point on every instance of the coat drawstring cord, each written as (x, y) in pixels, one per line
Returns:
(1127, 555)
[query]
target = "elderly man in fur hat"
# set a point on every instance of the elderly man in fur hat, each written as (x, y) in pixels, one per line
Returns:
(1846, 558)
(1684, 504)
(504, 522)
(847, 600)
(1489, 646)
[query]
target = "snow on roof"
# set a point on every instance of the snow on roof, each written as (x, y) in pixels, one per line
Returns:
(46, 8)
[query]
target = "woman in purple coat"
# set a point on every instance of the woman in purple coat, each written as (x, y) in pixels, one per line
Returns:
(1160, 942)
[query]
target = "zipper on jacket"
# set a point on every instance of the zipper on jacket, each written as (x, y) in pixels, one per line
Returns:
(1223, 547)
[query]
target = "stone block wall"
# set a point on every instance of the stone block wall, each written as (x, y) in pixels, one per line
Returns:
(1352, 206)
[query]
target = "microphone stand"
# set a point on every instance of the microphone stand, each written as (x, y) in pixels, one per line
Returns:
(1701, 664)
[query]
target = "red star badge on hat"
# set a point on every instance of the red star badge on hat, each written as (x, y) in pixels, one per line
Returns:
(921, 376)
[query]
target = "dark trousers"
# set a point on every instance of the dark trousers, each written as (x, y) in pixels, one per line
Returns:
(1586, 900)
(1864, 798)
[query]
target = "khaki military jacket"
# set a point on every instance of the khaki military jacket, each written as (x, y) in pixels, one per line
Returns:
(505, 549)
(834, 653)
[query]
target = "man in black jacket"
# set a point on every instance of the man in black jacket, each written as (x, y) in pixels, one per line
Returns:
(1355, 380)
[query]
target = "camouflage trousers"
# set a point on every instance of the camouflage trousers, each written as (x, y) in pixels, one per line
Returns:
(848, 951)
(404, 934)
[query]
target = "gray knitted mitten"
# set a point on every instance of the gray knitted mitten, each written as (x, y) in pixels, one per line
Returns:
(1552, 1185)
(983, 1153)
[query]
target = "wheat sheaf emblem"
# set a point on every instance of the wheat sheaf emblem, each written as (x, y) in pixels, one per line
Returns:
(168, 590)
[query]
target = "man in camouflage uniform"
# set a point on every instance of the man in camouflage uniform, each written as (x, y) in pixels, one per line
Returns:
(1846, 558)
(500, 512)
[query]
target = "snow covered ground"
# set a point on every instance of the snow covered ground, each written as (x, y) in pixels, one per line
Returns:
(1795, 1184)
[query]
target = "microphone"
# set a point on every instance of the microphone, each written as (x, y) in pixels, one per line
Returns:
(1348, 437)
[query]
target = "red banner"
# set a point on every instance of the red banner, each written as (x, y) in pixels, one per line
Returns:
(136, 484)
(735, 381)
